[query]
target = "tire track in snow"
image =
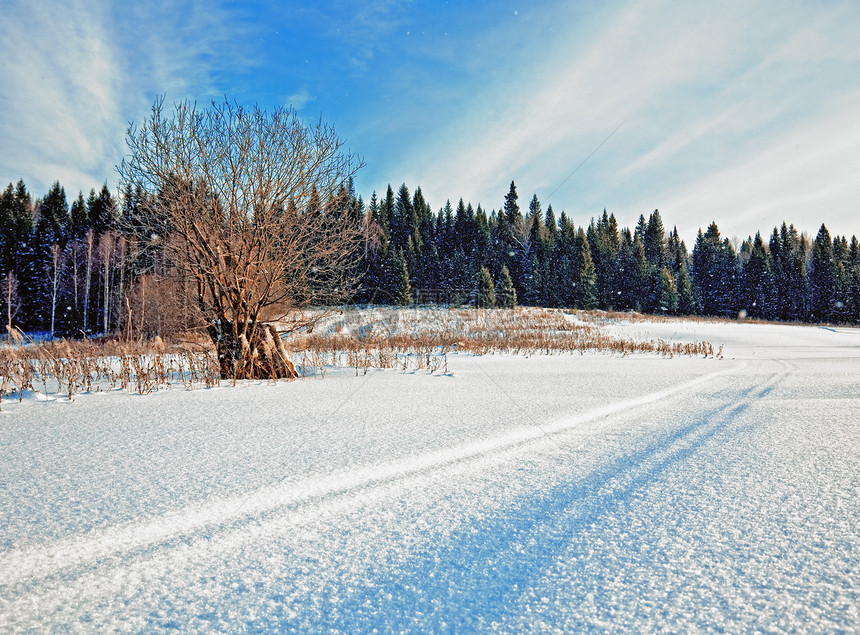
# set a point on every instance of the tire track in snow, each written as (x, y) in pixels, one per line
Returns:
(26, 565)
(507, 556)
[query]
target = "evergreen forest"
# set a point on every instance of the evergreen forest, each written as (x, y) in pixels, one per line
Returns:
(92, 266)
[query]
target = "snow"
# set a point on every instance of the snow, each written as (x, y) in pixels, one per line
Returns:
(546, 493)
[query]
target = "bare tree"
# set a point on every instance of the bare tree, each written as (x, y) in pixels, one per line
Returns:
(13, 302)
(106, 253)
(88, 276)
(252, 210)
(54, 273)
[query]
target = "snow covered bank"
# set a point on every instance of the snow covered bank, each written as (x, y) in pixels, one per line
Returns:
(573, 492)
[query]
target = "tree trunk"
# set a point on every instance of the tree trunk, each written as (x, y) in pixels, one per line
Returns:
(88, 279)
(75, 280)
(55, 285)
(263, 356)
(11, 284)
(106, 251)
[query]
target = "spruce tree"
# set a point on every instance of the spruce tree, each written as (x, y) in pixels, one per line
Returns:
(587, 284)
(757, 280)
(549, 223)
(404, 288)
(654, 241)
(102, 211)
(822, 277)
(25, 258)
(7, 235)
(53, 224)
(791, 277)
(668, 299)
(507, 295)
(714, 271)
(605, 244)
(842, 280)
(566, 257)
(686, 294)
(639, 278)
(78, 218)
(386, 213)
(486, 295)
(404, 223)
(511, 208)
(855, 294)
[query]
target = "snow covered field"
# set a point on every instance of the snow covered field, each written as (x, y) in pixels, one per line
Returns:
(549, 493)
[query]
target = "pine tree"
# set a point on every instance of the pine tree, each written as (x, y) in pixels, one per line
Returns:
(53, 224)
(486, 295)
(714, 272)
(654, 241)
(550, 224)
(686, 295)
(668, 300)
(757, 279)
(507, 295)
(587, 283)
(822, 277)
(404, 288)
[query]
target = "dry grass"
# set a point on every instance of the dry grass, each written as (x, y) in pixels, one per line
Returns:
(70, 367)
(416, 339)
(406, 339)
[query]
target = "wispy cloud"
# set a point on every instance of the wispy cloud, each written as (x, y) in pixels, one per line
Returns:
(76, 72)
(60, 95)
(300, 99)
(735, 111)
(704, 89)
(806, 176)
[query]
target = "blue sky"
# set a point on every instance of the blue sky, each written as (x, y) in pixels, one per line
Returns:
(747, 113)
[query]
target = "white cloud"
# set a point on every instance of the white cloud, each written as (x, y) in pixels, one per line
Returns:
(704, 89)
(806, 177)
(300, 99)
(60, 105)
(75, 74)
(554, 115)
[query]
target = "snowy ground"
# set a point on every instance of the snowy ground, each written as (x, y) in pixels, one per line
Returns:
(563, 493)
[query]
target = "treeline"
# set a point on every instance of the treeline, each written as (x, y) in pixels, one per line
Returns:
(540, 259)
(70, 270)
(83, 268)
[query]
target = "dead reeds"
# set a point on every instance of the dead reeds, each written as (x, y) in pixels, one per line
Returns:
(416, 339)
(65, 368)
(421, 339)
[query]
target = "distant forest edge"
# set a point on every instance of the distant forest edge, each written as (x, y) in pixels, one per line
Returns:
(70, 270)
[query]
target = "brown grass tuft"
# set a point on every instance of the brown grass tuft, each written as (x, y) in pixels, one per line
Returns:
(405, 339)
